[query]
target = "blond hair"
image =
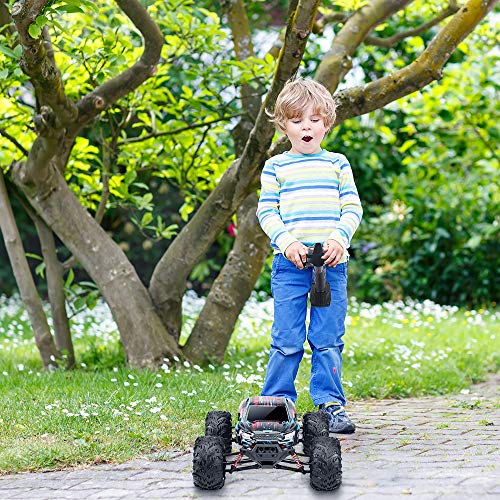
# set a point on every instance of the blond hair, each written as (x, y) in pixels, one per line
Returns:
(296, 95)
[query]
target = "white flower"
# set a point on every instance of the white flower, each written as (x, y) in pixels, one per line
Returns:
(158, 385)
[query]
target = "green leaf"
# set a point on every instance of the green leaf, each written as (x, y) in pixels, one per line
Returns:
(91, 299)
(70, 9)
(130, 177)
(70, 278)
(147, 218)
(407, 145)
(200, 271)
(86, 3)
(474, 242)
(187, 92)
(34, 30)
(41, 21)
(40, 269)
(169, 231)
(34, 256)
(79, 303)
(8, 52)
(446, 115)
(185, 210)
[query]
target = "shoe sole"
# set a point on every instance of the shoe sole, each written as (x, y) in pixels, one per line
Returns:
(347, 431)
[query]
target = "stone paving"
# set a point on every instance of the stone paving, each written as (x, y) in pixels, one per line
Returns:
(427, 448)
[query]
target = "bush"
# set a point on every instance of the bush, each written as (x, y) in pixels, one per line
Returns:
(435, 233)
(437, 239)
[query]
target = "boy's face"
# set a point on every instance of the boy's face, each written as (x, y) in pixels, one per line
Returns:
(306, 132)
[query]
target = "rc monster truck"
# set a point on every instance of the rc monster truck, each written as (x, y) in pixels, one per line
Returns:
(266, 433)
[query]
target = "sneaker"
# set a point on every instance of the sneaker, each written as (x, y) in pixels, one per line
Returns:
(340, 423)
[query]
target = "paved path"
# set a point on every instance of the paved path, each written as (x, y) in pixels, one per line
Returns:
(427, 448)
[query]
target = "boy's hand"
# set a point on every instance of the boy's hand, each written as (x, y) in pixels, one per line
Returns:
(297, 253)
(333, 252)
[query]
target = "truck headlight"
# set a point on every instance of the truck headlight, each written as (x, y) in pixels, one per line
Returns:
(289, 437)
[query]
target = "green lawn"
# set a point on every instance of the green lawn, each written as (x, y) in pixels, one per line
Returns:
(105, 412)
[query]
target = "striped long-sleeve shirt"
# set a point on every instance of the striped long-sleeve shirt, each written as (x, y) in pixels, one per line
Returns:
(308, 198)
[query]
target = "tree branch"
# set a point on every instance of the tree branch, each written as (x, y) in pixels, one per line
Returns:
(38, 62)
(426, 68)
(55, 286)
(335, 17)
(101, 209)
(127, 81)
(24, 280)
(177, 130)
(14, 141)
(243, 49)
(338, 60)
(394, 39)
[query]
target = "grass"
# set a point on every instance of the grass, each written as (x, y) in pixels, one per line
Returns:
(106, 412)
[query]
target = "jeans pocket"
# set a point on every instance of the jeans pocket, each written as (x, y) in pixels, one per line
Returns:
(275, 267)
(337, 276)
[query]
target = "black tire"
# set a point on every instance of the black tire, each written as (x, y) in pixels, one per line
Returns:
(325, 464)
(218, 423)
(209, 467)
(315, 425)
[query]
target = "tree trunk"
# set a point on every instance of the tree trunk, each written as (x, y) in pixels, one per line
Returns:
(211, 334)
(24, 279)
(144, 337)
(57, 298)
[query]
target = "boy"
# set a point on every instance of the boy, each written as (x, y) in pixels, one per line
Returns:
(308, 195)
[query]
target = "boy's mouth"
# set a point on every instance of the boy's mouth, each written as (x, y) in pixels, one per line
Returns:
(307, 138)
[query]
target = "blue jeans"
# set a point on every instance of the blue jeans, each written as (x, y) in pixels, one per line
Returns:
(290, 287)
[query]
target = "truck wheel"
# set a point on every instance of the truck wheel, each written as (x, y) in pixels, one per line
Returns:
(325, 464)
(315, 424)
(209, 468)
(218, 423)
